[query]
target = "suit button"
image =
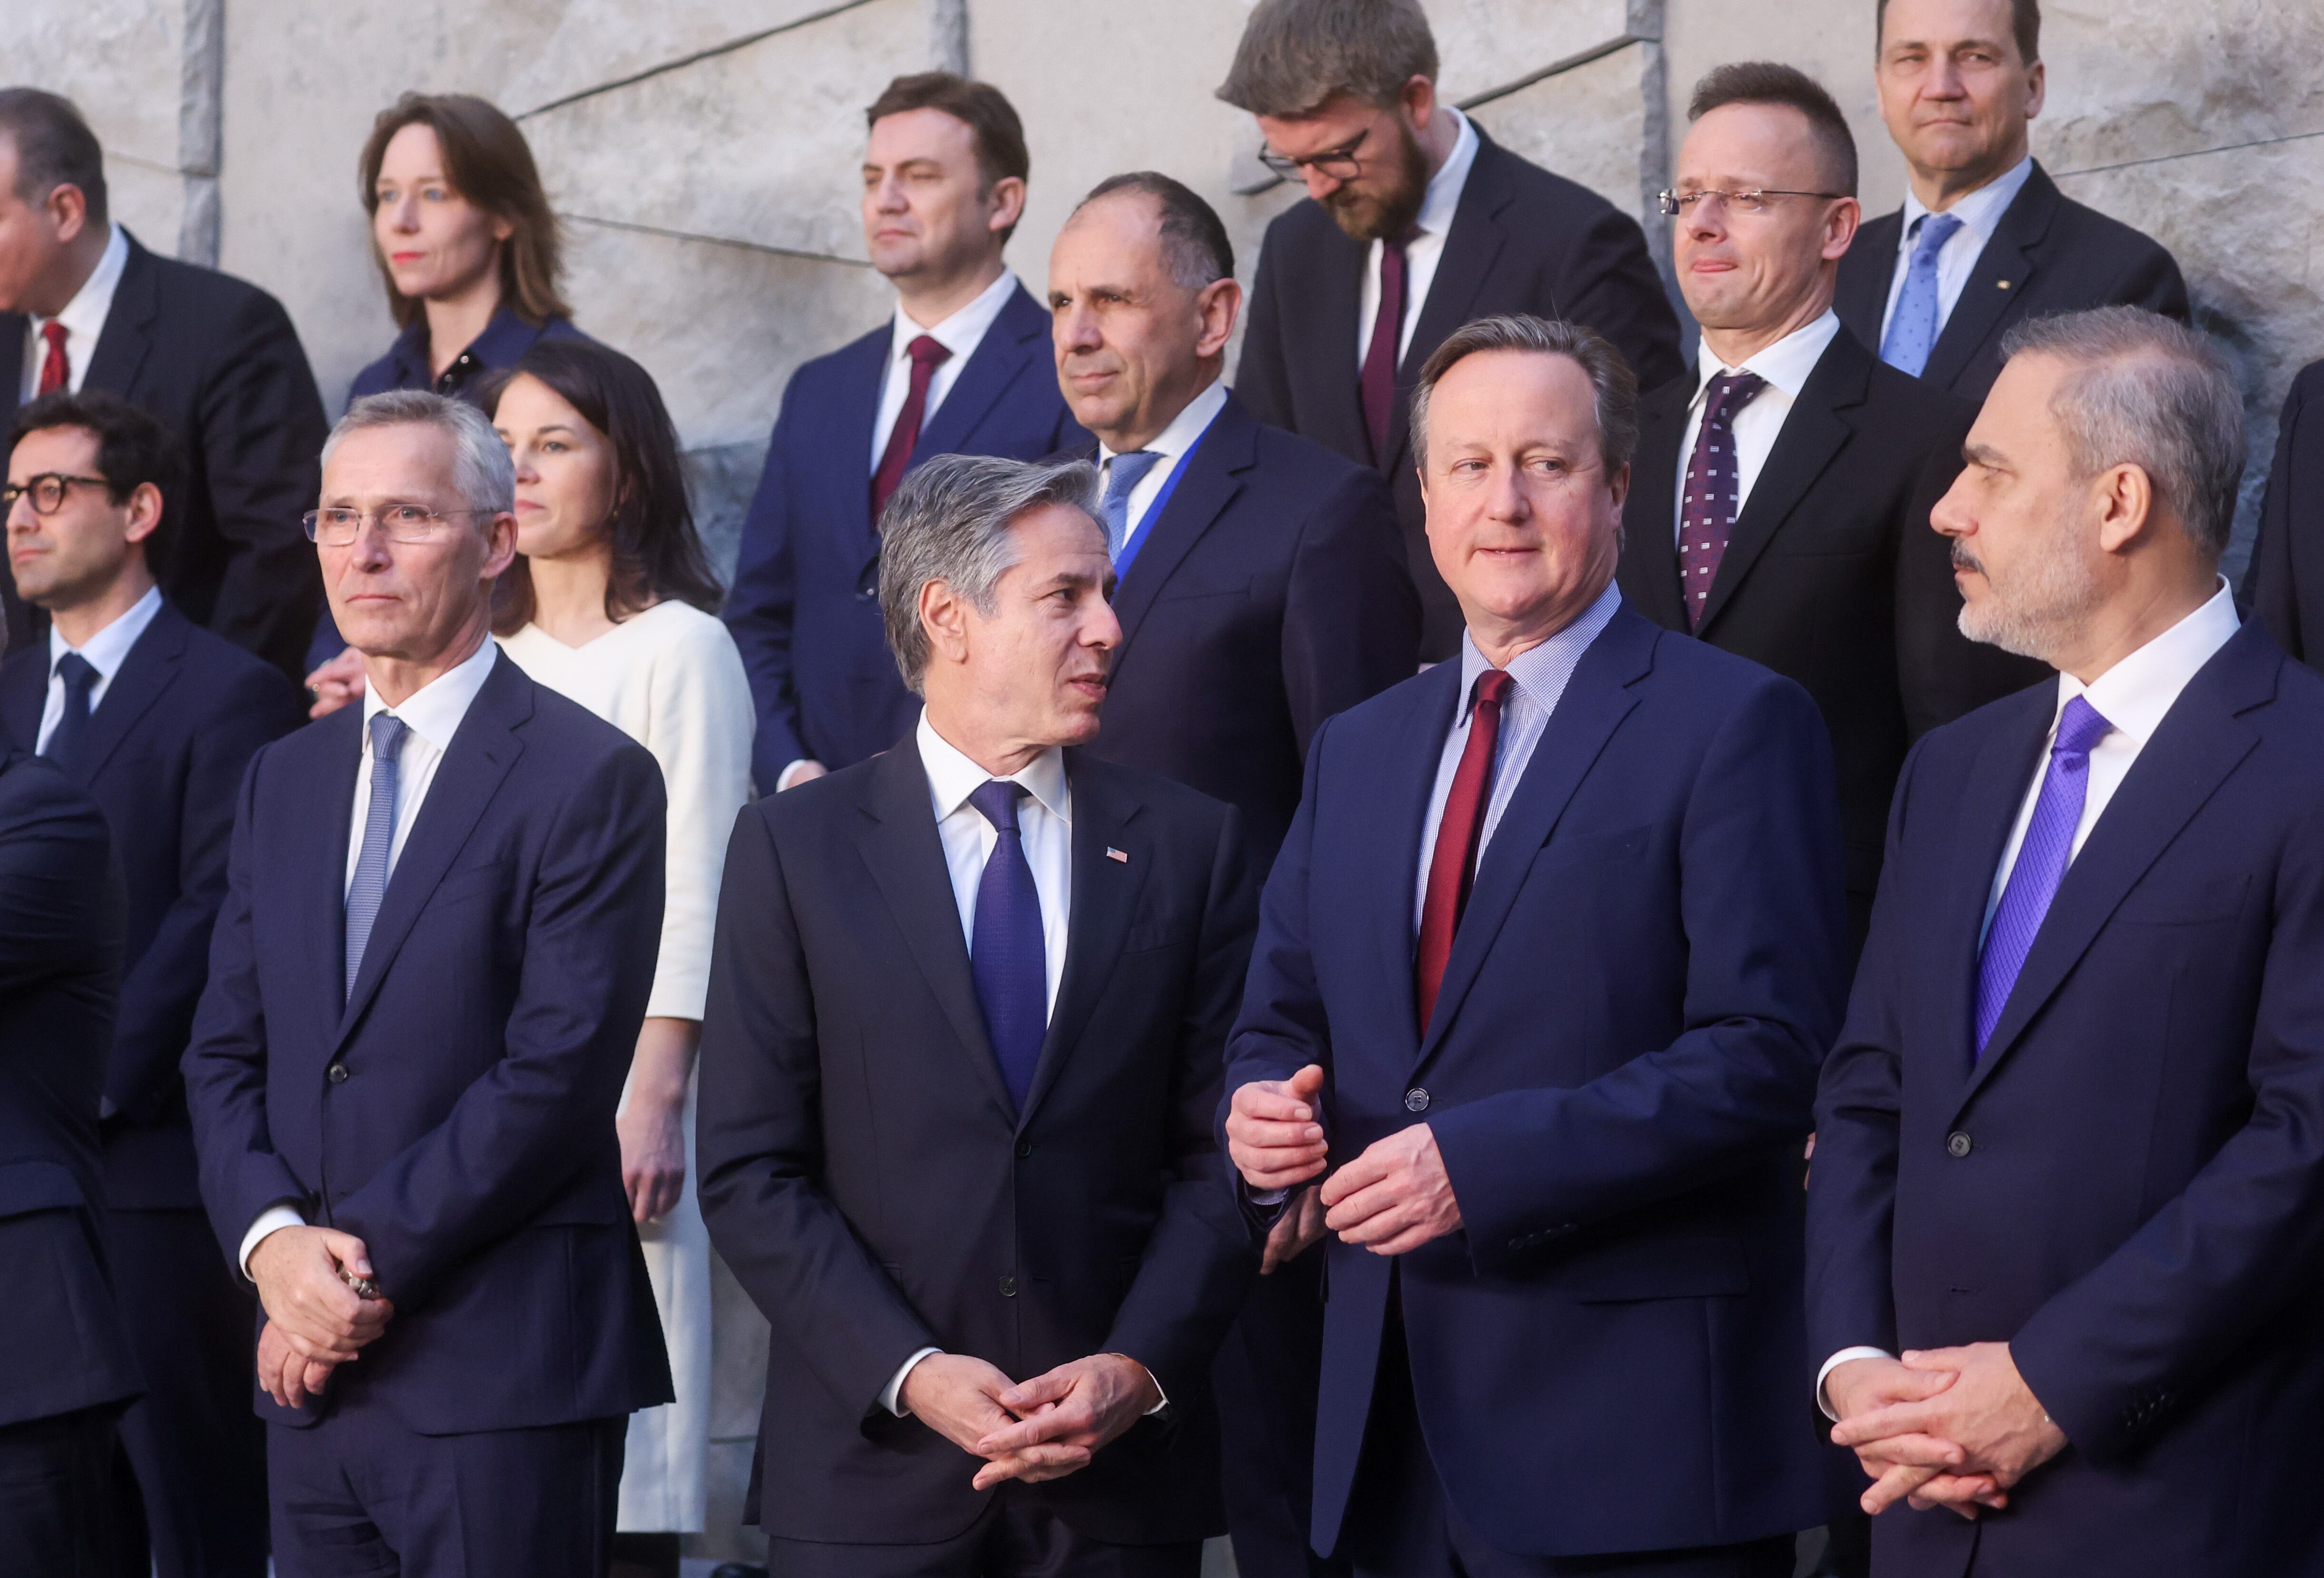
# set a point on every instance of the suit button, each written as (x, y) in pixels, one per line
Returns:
(338, 1073)
(1958, 1145)
(1008, 1288)
(1416, 1101)
(1024, 1148)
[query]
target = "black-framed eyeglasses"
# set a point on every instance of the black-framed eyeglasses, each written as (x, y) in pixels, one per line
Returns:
(1750, 200)
(47, 490)
(407, 523)
(1340, 163)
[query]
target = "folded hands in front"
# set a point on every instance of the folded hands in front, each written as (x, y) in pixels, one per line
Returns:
(1954, 1427)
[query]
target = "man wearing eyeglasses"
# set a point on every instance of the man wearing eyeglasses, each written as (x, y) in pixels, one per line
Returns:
(1418, 223)
(156, 718)
(1780, 505)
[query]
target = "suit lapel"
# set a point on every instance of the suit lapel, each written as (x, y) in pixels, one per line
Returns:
(1328, 297)
(23, 693)
(1471, 246)
(1998, 280)
(128, 333)
(145, 673)
(995, 364)
(1861, 294)
(1105, 899)
(1212, 481)
(316, 847)
(1650, 515)
(1403, 778)
(854, 413)
(1991, 801)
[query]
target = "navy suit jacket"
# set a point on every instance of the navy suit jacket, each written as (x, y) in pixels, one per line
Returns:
(164, 760)
(2285, 583)
(62, 1344)
(876, 1191)
(1270, 594)
(2128, 1187)
(1609, 1357)
(455, 1110)
(804, 607)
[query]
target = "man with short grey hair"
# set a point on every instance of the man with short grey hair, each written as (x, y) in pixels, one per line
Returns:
(967, 1003)
(2067, 1199)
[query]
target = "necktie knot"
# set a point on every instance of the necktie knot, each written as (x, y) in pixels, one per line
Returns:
(1493, 689)
(927, 351)
(387, 732)
(1123, 473)
(1935, 230)
(2079, 728)
(996, 799)
(78, 674)
(1730, 393)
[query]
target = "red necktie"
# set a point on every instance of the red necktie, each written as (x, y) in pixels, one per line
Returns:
(1453, 866)
(1377, 388)
(56, 370)
(927, 351)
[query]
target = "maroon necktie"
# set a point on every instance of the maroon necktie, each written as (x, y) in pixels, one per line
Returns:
(926, 352)
(56, 367)
(1706, 512)
(1452, 865)
(1377, 388)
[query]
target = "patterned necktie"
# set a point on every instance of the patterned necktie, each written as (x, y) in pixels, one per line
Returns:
(1452, 865)
(1123, 473)
(370, 886)
(927, 353)
(1006, 957)
(1706, 511)
(56, 367)
(2042, 861)
(1377, 386)
(79, 676)
(1913, 327)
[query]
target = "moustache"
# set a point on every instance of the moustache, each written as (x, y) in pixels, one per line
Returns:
(1965, 560)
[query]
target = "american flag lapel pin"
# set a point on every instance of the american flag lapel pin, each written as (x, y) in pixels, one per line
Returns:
(1113, 854)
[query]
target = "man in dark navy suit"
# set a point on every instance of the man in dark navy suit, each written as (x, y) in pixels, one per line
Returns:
(157, 719)
(425, 986)
(2068, 1200)
(2285, 587)
(1544, 974)
(963, 368)
(84, 307)
(967, 1006)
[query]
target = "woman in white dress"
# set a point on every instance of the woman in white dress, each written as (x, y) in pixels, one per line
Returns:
(610, 602)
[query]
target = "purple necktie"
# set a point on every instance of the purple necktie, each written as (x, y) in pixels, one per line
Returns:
(1706, 511)
(2041, 861)
(1006, 957)
(1377, 387)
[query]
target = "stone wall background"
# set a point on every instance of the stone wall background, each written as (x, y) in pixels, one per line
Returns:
(703, 154)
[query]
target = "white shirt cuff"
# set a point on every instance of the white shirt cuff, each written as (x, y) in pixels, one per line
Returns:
(1834, 1363)
(783, 780)
(269, 1220)
(892, 1400)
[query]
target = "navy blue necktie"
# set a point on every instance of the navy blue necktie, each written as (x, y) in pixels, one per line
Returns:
(370, 886)
(1006, 955)
(79, 676)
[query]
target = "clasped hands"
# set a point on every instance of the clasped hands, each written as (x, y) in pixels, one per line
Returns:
(315, 1322)
(1043, 1428)
(1392, 1199)
(1954, 1427)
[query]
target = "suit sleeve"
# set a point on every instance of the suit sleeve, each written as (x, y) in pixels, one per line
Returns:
(2290, 516)
(1610, 283)
(1262, 379)
(1350, 617)
(758, 609)
(1760, 899)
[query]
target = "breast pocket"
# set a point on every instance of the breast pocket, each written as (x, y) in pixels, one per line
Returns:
(468, 885)
(2219, 898)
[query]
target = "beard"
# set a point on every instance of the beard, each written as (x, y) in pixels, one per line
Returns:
(1368, 216)
(2038, 608)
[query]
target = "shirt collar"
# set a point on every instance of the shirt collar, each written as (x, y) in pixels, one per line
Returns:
(108, 648)
(953, 776)
(501, 343)
(1542, 671)
(1442, 198)
(434, 712)
(1193, 420)
(1786, 365)
(961, 332)
(1979, 211)
(2137, 692)
(85, 313)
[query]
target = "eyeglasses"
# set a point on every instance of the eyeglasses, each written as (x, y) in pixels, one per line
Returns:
(1340, 163)
(1753, 200)
(47, 489)
(407, 523)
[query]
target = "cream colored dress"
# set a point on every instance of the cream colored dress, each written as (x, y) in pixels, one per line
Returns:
(671, 679)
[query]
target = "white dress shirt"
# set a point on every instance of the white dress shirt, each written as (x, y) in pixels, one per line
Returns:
(2134, 696)
(1785, 366)
(106, 652)
(83, 317)
(1425, 250)
(959, 334)
(432, 716)
(1185, 430)
(1979, 213)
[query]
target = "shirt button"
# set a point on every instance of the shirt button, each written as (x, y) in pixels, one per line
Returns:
(1958, 1145)
(1008, 1288)
(338, 1073)
(1416, 1101)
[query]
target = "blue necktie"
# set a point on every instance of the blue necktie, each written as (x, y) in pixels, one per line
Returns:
(1913, 327)
(1006, 955)
(2042, 861)
(79, 676)
(1121, 476)
(370, 886)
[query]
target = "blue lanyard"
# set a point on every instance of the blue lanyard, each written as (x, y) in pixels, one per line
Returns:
(1129, 554)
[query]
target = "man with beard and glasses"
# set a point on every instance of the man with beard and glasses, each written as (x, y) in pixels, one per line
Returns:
(2068, 1197)
(1418, 223)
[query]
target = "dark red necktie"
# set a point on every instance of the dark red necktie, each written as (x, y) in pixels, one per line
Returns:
(1377, 388)
(1706, 513)
(926, 352)
(56, 368)
(1452, 865)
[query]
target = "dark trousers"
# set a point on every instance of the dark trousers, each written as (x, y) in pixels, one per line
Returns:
(197, 1450)
(360, 1495)
(60, 1512)
(1016, 1536)
(1264, 1380)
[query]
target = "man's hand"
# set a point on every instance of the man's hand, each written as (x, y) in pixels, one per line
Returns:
(336, 683)
(1394, 1197)
(1982, 1432)
(1078, 1407)
(1861, 1385)
(287, 1378)
(1273, 1136)
(298, 1271)
(959, 1398)
(1296, 1231)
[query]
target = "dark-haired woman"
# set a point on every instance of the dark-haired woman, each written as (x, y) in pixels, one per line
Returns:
(609, 602)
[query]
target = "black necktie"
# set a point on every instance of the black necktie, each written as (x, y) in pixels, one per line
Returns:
(79, 676)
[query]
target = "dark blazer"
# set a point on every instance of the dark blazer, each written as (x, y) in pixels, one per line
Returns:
(876, 1191)
(805, 606)
(1833, 575)
(504, 342)
(62, 1344)
(2286, 577)
(218, 362)
(1522, 240)
(166, 752)
(2049, 254)
(1608, 1358)
(2127, 1187)
(456, 1110)
(1271, 594)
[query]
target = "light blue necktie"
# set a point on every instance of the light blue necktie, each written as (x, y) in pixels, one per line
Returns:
(1913, 327)
(1122, 478)
(370, 886)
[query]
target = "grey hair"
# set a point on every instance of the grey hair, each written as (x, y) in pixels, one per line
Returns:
(949, 522)
(2144, 391)
(1297, 55)
(481, 468)
(1612, 380)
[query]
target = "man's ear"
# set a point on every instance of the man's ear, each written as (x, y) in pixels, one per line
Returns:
(144, 512)
(943, 615)
(2124, 497)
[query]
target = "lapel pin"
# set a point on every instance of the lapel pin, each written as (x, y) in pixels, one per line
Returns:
(1113, 854)
(2002, 283)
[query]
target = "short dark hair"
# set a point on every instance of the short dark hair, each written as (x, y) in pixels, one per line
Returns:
(996, 132)
(2024, 27)
(1194, 239)
(54, 147)
(1772, 82)
(1610, 378)
(134, 447)
(1297, 55)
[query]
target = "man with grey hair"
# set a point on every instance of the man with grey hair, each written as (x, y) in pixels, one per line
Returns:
(2068, 1196)
(961, 1056)
(425, 986)
(1418, 223)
